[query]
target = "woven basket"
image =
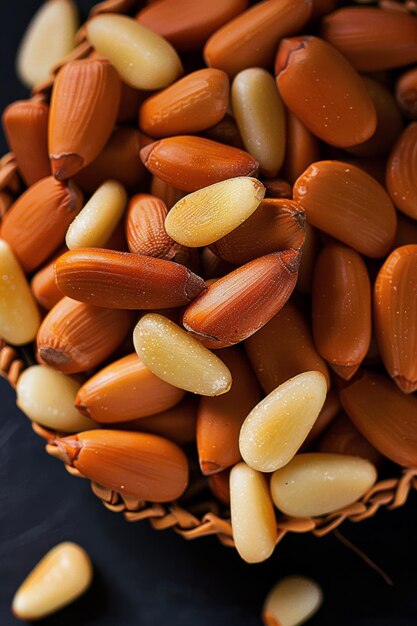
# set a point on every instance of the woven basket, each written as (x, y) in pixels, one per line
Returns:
(196, 514)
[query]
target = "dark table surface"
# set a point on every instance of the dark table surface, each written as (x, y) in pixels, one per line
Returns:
(149, 578)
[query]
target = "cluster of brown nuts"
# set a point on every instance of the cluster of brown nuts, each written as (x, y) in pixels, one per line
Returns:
(171, 212)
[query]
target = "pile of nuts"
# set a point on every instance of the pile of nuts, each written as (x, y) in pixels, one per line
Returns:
(217, 249)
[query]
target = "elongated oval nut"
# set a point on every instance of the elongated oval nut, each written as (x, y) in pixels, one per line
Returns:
(343, 438)
(176, 357)
(219, 419)
(401, 172)
(253, 520)
(75, 337)
(240, 303)
(177, 424)
(145, 466)
(284, 348)
(384, 415)
(190, 163)
(185, 24)
(48, 39)
(25, 124)
(275, 429)
(311, 249)
(143, 59)
(60, 577)
(98, 218)
(208, 214)
(395, 310)
(341, 308)
(190, 105)
(44, 287)
(84, 104)
(259, 114)
(125, 390)
(364, 218)
(406, 93)
(318, 483)
(119, 160)
(250, 39)
(123, 280)
(36, 223)
(302, 148)
(389, 121)
(292, 601)
(47, 397)
(330, 410)
(19, 315)
(372, 39)
(277, 224)
(335, 106)
(145, 229)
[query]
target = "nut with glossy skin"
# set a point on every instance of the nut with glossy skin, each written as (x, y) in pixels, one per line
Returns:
(284, 348)
(275, 429)
(395, 314)
(401, 173)
(25, 124)
(371, 38)
(406, 93)
(318, 483)
(144, 466)
(36, 223)
(190, 105)
(362, 217)
(292, 601)
(219, 419)
(277, 224)
(98, 218)
(187, 25)
(240, 303)
(59, 578)
(259, 114)
(188, 162)
(208, 214)
(335, 105)
(19, 314)
(125, 390)
(250, 39)
(49, 37)
(302, 148)
(341, 308)
(142, 58)
(44, 287)
(84, 104)
(75, 337)
(253, 520)
(343, 438)
(47, 397)
(177, 358)
(118, 160)
(123, 280)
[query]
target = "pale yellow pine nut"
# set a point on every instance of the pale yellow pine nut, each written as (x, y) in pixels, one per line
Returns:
(275, 429)
(177, 358)
(63, 574)
(143, 59)
(259, 114)
(292, 601)
(49, 37)
(98, 218)
(47, 397)
(317, 483)
(19, 314)
(252, 514)
(206, 215)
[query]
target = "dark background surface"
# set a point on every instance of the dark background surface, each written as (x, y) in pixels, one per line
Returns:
(149, 578)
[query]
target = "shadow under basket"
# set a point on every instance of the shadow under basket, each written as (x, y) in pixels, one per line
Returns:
(197, 514)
